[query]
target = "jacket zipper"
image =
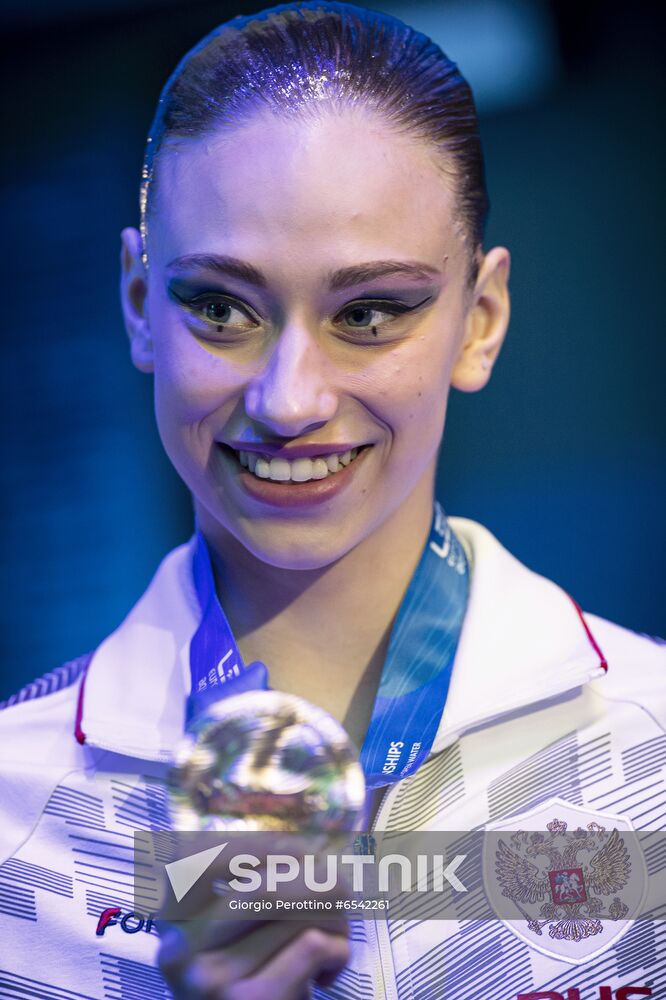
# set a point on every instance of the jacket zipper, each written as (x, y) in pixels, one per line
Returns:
(384, 976)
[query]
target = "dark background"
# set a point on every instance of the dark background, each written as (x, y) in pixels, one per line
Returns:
(562, 455)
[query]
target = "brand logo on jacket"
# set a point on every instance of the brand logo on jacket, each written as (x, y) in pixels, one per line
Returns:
(129, 922)
(567, 880)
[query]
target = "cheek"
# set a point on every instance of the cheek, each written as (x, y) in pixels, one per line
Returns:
(408, 391)
(194, 391)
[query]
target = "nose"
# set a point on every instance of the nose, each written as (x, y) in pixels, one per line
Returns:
(293, 393)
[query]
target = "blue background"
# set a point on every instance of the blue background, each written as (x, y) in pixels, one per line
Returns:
(561, 456)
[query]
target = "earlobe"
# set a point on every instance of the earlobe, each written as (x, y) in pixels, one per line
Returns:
(486, 323)
(133, 294)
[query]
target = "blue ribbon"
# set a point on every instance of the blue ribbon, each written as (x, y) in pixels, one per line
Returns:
(417, 671)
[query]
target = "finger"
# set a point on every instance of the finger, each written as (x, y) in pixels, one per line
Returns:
(242, 957)
(313, 955)
(247, 955)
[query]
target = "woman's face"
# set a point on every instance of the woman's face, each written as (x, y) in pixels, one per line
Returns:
(305, 310)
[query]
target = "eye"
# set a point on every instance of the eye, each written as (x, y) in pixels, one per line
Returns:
(370, 318)
(363, 316)
(218, 312)
(214, 312)
(222, 312)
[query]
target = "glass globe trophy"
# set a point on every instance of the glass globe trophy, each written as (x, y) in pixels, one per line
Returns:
(267, 761)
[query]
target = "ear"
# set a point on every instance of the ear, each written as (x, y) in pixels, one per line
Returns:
(133, 295)
(486, 323)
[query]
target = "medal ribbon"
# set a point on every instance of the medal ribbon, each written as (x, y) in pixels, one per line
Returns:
(415, 678)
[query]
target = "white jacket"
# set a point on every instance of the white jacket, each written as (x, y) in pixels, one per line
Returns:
(532, 716)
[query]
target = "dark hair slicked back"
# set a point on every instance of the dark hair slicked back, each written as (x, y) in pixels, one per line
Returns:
(290, 58)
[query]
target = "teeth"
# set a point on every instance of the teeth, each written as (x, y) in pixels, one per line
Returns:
(301, 470)
(319, 468)
(279, 470)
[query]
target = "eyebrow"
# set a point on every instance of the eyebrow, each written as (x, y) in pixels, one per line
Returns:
(344, 277)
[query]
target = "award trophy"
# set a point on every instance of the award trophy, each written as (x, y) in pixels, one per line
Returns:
(267, 761)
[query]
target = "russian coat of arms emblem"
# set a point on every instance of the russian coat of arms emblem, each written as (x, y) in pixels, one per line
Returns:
(568, 881)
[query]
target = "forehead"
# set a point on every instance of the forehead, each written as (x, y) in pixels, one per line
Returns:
(306, 191)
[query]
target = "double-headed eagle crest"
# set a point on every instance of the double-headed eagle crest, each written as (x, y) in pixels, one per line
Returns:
(579, 871)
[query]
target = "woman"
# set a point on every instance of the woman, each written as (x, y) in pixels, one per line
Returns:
(307, 283)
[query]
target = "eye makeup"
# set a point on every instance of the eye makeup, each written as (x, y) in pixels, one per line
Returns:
(391, 307)
(212, 307)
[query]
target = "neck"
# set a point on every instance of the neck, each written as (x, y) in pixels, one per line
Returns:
(314, 626)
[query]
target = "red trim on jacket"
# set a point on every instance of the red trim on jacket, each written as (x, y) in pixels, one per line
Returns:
(593, 642)
(78, 731)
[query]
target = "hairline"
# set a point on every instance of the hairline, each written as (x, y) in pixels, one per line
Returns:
(444, 162)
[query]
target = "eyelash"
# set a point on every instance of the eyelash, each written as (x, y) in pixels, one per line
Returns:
(394, 309)
(198, 303)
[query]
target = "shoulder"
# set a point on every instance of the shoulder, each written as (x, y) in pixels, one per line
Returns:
(64, 676)
(37, 749)
(39, 720)
(636, 667)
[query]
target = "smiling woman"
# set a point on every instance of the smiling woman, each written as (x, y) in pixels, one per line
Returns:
(307, 283)
(342, 300)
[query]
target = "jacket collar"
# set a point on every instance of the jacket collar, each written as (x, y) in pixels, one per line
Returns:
(132, 699)
(523, 641)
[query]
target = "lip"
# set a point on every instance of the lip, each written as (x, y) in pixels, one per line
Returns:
(297, 451)
(290, 495)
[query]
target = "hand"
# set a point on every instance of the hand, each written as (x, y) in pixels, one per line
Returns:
(205, 957)
(275, 960)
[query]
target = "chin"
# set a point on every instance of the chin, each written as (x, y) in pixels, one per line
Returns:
(297, 548)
